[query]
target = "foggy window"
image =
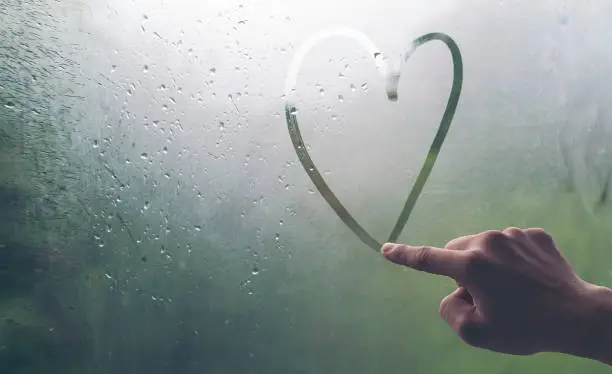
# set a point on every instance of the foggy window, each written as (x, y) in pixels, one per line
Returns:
(156, 218)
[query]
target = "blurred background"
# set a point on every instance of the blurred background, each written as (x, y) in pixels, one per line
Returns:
(154, 217)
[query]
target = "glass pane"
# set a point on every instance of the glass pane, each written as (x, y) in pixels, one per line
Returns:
(156, 218)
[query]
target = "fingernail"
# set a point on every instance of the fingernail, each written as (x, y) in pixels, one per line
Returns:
(387, 248)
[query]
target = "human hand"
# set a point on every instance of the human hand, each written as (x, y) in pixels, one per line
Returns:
(516, 294)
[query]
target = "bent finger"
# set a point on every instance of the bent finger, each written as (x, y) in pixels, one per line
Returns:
(455, 307)
(461, 315)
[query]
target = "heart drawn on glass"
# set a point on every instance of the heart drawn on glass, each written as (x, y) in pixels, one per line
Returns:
(392, 82)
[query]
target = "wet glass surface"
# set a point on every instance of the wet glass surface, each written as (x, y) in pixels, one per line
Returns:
(155, 217)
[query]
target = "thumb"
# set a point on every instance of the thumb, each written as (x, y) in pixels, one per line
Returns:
(459, 311)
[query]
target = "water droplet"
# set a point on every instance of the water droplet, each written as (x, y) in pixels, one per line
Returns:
(144, 155)
(165, 149)
(281, 222)
(341, 98)
(353, 88)
(213, 71)
(255, 270)
(276, 237)
(145, 68)
(146, 205)
(9, 104)
(293, 111)
(197, 228)
(95, 143)
(364, 87)
(321, 92)
(101, 244)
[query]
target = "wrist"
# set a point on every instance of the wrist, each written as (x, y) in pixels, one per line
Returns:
(595, 341)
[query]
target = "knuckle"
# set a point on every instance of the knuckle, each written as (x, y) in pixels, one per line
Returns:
(513, 232)
(536, 230)
(496, 235)
(421, 258)
(539, 234)
(493, 240)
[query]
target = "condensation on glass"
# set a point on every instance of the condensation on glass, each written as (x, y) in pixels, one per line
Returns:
(156, 219)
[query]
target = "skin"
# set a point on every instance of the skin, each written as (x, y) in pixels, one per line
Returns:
(516, 294)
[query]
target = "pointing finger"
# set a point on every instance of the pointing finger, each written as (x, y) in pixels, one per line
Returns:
(428, 259)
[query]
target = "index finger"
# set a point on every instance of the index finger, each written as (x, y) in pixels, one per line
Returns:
(431, 260)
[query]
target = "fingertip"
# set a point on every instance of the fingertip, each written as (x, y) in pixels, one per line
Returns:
(396, 253)
(388, 248)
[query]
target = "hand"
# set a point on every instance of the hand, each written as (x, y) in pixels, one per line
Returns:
(516, 292)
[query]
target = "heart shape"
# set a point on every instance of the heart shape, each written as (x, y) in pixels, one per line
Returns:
(392, 81)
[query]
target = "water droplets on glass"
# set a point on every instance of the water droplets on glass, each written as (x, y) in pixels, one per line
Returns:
(255, 270)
